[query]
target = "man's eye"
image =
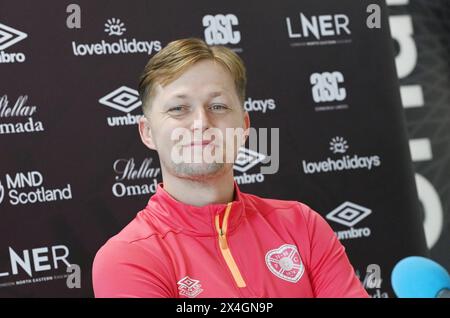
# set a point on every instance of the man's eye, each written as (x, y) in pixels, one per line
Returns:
(177, 109)
(218, 107)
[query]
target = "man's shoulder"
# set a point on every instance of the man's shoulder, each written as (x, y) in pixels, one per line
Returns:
(136, 239)
(134, 252)
(137, 234)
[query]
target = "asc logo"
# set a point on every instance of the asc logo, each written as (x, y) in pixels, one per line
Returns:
(325, 87)
(219, 29)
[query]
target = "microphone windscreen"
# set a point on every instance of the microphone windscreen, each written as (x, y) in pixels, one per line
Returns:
(419, 277)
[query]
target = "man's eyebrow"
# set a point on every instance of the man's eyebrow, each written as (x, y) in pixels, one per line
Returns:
(182, 95)
(215, 94)
(179, 96)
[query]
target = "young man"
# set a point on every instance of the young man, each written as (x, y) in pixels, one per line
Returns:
(199, 235)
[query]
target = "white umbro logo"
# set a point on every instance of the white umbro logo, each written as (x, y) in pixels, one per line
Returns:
(189, 287)
(348, 214)
(124, 99)
(10, 36)
(246, 159)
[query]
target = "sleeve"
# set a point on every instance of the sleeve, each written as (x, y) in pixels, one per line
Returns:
(331, 273)
(122, 269)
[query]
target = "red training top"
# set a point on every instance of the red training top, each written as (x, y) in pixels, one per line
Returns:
(250, 247)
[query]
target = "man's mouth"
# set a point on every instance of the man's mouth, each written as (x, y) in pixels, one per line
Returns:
(200, 143)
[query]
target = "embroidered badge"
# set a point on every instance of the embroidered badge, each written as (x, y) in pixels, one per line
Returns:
(285, 262)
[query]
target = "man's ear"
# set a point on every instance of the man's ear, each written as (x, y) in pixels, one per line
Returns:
(246, 126)
(146, 133)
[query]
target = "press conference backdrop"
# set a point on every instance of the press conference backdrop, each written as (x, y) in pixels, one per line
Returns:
(73, 171)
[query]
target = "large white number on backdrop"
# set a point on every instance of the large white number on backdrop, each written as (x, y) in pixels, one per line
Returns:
(433, 209)
(402, 31)
(421, 151)
(412, 96)
(397, 2)
(219, 29)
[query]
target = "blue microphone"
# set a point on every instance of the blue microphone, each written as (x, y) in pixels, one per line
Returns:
(420, 277)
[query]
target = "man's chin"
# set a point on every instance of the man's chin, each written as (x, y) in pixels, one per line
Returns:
(199, 171)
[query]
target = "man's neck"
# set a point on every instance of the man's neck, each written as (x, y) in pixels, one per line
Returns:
(201, 192)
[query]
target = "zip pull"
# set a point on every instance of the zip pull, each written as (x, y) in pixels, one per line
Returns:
(226, 253)
(222, 230)
(223, 240)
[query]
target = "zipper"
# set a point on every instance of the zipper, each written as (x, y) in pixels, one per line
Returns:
(224, 248)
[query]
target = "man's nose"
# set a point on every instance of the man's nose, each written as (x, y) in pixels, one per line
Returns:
(201, 120)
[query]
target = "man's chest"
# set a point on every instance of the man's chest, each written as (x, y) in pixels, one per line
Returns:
(250, 267)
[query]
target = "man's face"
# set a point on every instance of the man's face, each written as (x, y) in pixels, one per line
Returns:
(189, 120)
